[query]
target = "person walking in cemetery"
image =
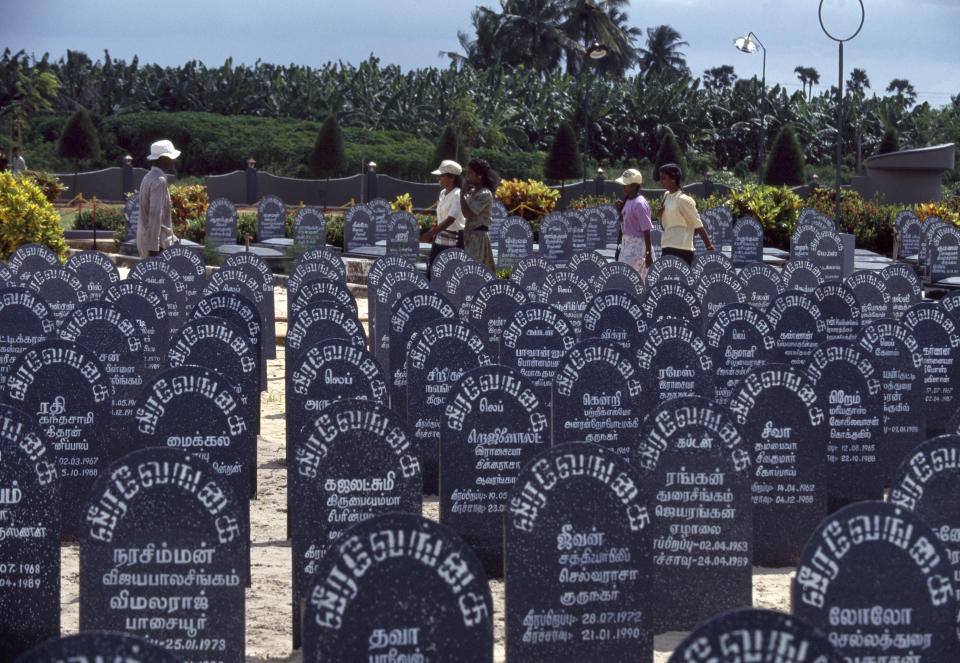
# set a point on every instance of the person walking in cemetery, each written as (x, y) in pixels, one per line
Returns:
(635, 224)
(476, 203)
(680, 219)
(447, 233)
(19, 165)
(155, 230)
(3, 161)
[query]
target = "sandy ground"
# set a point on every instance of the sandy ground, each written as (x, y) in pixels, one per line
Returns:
(268, 599)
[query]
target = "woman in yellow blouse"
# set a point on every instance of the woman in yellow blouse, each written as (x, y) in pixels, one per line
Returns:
(679, 218)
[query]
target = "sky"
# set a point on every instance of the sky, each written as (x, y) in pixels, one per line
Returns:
(912, 39)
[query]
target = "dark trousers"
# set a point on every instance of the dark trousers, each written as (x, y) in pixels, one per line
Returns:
(435, 250)
(686, 256)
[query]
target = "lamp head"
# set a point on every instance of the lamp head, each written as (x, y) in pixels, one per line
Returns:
(745, 44)
(597, 51)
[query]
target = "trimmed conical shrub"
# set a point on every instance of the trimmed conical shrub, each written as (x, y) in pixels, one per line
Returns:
(668, 152)
(79, 139)
(563, 159)
(447, 147)
(890, 141)
(785, 163)
(328, 155)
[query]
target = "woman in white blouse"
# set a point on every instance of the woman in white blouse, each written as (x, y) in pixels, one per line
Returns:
(680, 219)
(447, 233)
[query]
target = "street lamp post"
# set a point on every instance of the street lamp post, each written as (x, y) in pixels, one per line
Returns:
(840, 41)
(596, 51)
(749, 44)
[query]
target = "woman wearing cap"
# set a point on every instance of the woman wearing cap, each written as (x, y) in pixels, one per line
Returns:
(446, 234)
(679, 218)
(635, 223)
(476, 201)
(155, 228)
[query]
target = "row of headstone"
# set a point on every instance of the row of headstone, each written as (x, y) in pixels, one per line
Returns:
(366, 224)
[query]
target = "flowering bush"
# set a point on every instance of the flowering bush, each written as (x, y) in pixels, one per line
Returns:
(586, 202)
(531, 199)
(403, 203)
(27, 216)
(868, 221)
(187, 202)
(776, 209)
(48, 183)
(948, 210)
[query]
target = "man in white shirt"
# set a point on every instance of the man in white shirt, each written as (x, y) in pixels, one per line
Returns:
(19, 166)
(446, 233)
(155, 228)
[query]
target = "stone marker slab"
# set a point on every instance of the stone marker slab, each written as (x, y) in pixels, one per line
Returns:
(145, 304)
(29, 259)
(840, 309)
(310, 227)
(761, 283)
(739, 339)
(271, 218)
(530, 273)
(621, 276)
(61, 290)
(674, 362)
(617, 316)
(493, 304)
(95, 271)
(221, 223)
(871, 293)
(798, 327)
(939, 341)
(99, 646)
(747, 242)
(25, 319)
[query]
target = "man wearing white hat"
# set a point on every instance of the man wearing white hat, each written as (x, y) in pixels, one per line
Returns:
(155, 229)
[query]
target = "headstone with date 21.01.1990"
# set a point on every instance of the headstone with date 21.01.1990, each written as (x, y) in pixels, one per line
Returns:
(784, 428)
(30, 545)
(493, 424)
(399, 585)
(166, 515)
(696, 470)
(352, 460)
(875, 578)
(578, 567)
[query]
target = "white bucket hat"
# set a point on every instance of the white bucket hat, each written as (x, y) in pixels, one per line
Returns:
(630, 176)
(162, 148)
(448, 167)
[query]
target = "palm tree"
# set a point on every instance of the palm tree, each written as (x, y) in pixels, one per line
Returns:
(603, 21)
(719, 78)
(662, 55)
(905, 92)
(530, 33)
(858, 80)
(808, 78)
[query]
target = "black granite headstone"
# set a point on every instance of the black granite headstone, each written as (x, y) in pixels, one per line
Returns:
(623, 277)
(840, 310)
(463, 284)
(256, 268)
(25, 319)
(710, 262)
(158, 272)
(740, 340)
(221, 223)
(747, 242)
(928, 483)
(399, 585)
(950, 303)
(359, 228)
(877, 581)
(669, 268)
(116, 340)
(145, 304)
(617, 316)
(535, 340)
(530, 274)
(403, 235)
(189, 264)
(95, 271)
(516, 241)
(800, 275)
(596, 228)
(61, 290)
(674, 362)
(438, 355)
(375, 276)
(939, 341)
(396, 282)
(850, 390)
(220, 345)
(782, 420)
(493, 304)
(897, 354)
(320, 290)
(131, 216)
(7, 277)
(598, 396)
(410, 314)
(671, 299)
(243, 313)
(903, 287)
(907, 226)
(716, 290)
(351, 461)
(309, 227)
(380, 210)
(928, 226)
(271, 218)
(99, 646)
(578, 231)
(798, 327)
(492, 426)
(696, 470)
(944, 253)
(444, 264)
(568, 292)
(67, 390)
(588, 265)
(241, 283)
(826, 252)
(30, 545)
(322, 254)
(578, 559)
(801, 241)
(871, 293)
(162, 556)
(556, 240)
(758, 636)
(29, 259)
(761, 283)
(311, 271)
(612, 220)
(317, 322)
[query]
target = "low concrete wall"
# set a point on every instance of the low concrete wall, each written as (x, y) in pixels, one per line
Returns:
(106, 184)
